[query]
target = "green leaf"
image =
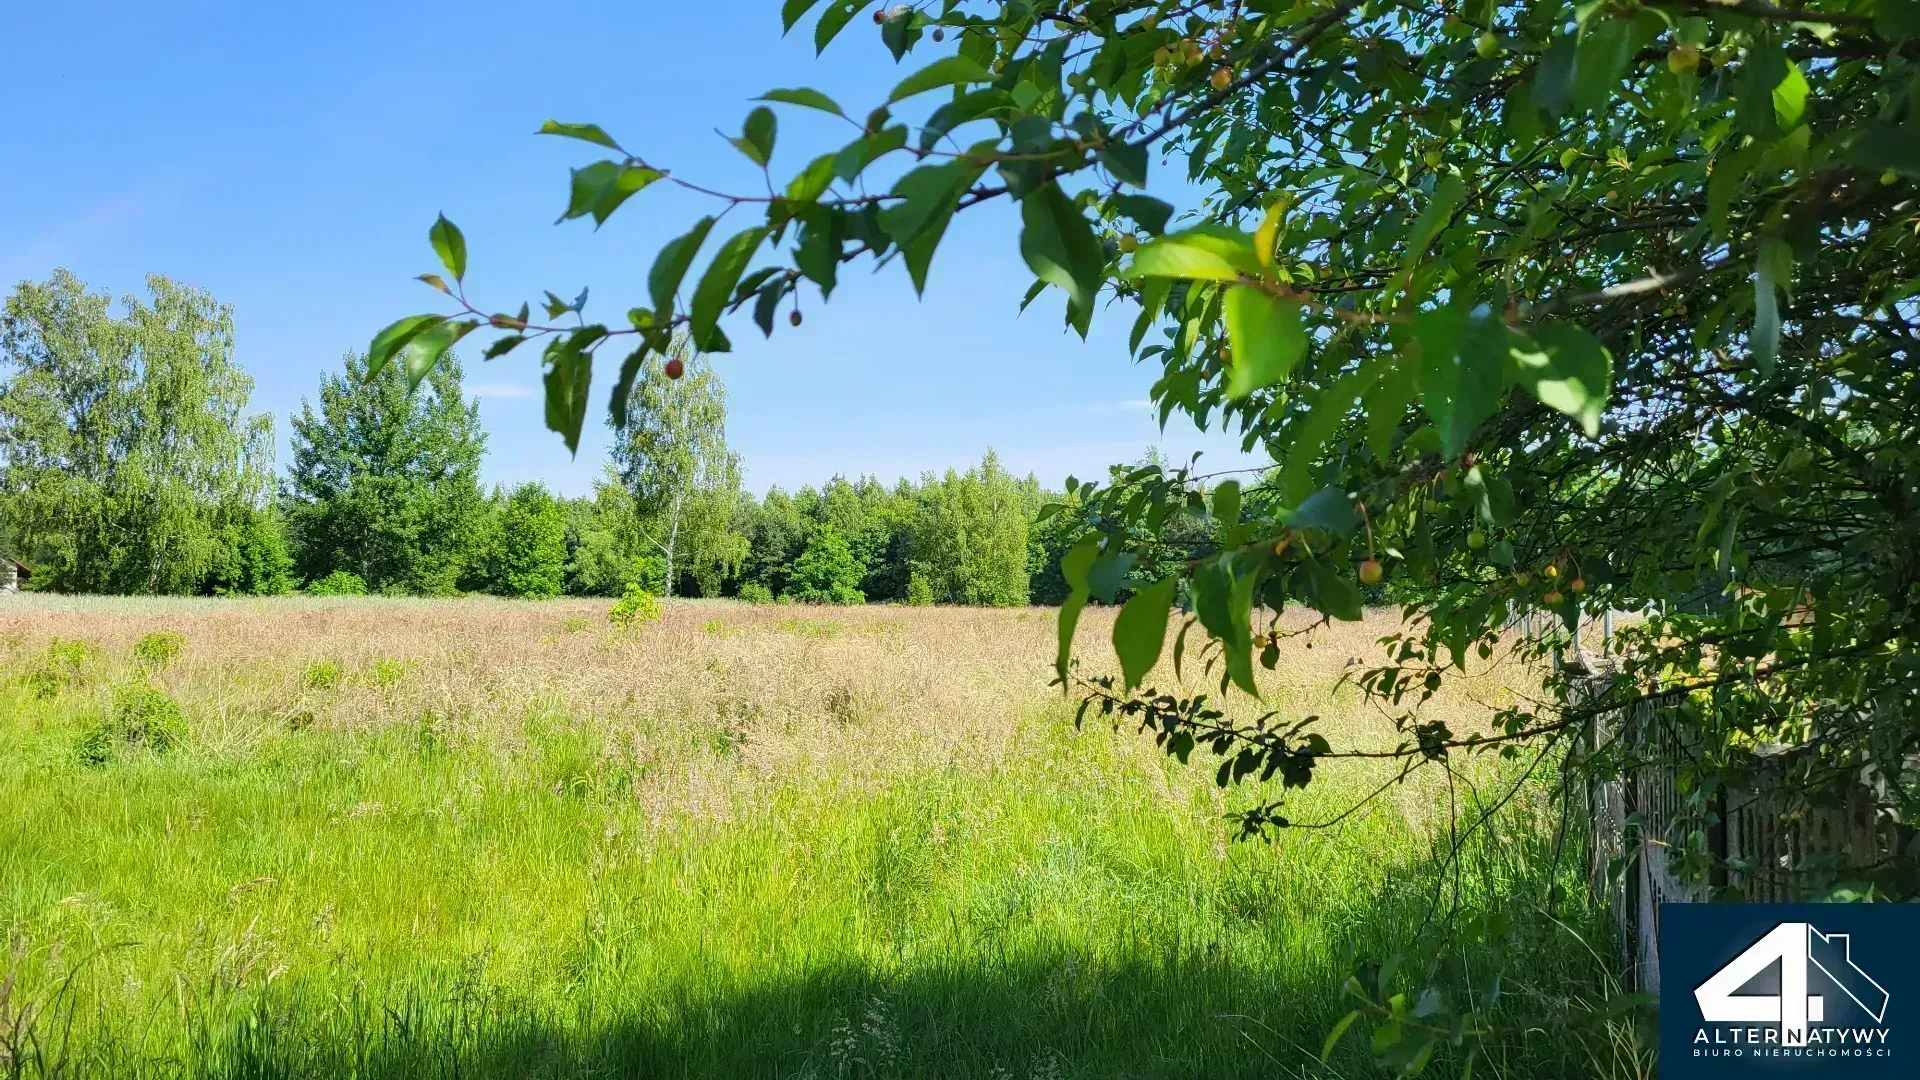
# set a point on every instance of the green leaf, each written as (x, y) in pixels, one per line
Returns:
(1108, 573)
(1208, 253)
(1602, 59)
(1073, 567)
(1146, 211)
(1565, 368)
(812, 181)
(946, 71)
(1333, 1037)
(569, 375)
(502, 346)
(585, 132)
(1772, 270)
(671, 265)
(756, 136)
(623, 389)
(1887, 146)
(767, 303)
(389, 341)
(1333, 594)
(804, 96)
(1459, 372)
(1223, 600)
(450, 246)
(1439, 210)
(832, 20)
(1226, 503)
(1127, 162)
(1059, 246)
(1328, 508)
(790, 13)
(862, 152)
(716, 286)
(426, 348)
(601, 187)
(436, 281)
(1266, 335)
(1140, 631)
(1553, 80)
(1790, 98)
(921, 194)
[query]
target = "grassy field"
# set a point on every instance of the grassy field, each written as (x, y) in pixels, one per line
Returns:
(394, 838)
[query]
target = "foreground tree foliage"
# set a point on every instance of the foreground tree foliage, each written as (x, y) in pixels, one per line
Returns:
(1536, 308)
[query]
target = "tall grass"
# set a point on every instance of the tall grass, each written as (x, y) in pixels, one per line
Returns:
(727, 844)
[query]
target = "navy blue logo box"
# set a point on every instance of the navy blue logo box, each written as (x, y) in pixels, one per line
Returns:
(1802, 990)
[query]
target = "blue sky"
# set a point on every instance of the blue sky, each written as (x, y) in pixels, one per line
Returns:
(290, 161)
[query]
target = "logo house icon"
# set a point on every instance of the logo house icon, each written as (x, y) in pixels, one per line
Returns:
(1800, 950)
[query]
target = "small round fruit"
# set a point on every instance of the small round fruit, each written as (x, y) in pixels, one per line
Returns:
(1280, 545)
(1487, 45)
(1553, 597)
(1222, 78)
(1476, 539)
(1551, 571)
(1522, 578)
(675, 368)
(1370, 572)
(939, 35)
(1129, 242)
(793, 319)
(879, 16)
(1683, 59)
(1578, 584)
(1432, 158)
(1431, 506)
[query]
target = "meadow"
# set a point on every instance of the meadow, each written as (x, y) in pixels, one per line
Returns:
(474, 837)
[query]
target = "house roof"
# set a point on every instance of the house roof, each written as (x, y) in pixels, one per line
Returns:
(25, 570)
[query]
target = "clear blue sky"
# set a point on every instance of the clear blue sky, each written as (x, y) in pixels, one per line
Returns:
(290, 161)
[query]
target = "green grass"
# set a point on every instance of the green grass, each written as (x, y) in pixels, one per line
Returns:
(405, 900)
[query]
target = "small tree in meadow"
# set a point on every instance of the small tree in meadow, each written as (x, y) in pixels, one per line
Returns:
(529, 557)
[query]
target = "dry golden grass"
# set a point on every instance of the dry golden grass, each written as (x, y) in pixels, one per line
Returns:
(783, 689)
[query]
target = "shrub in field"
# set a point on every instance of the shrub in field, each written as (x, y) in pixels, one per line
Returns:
(60, 669)
(338, 583)
(634, 607)
(156, 650)
(323, 675)
(141, 718)
(919, 590)
(755, 593)
(383, 673)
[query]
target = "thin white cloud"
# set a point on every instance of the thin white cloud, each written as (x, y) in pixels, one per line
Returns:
(500, 390)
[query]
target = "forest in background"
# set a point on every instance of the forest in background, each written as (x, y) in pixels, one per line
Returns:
(129, 463)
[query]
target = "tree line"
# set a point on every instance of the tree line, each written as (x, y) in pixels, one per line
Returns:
(130, 463)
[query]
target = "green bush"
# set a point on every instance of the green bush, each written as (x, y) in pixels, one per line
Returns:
(338, 583)
(384, 673)
(634, 607)
(156, 650)
(755, 593)
(141, 718)
(827, 572)
(323, 675)
(250, 557)
(919, 590)
(60, 669)
(529, 557)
